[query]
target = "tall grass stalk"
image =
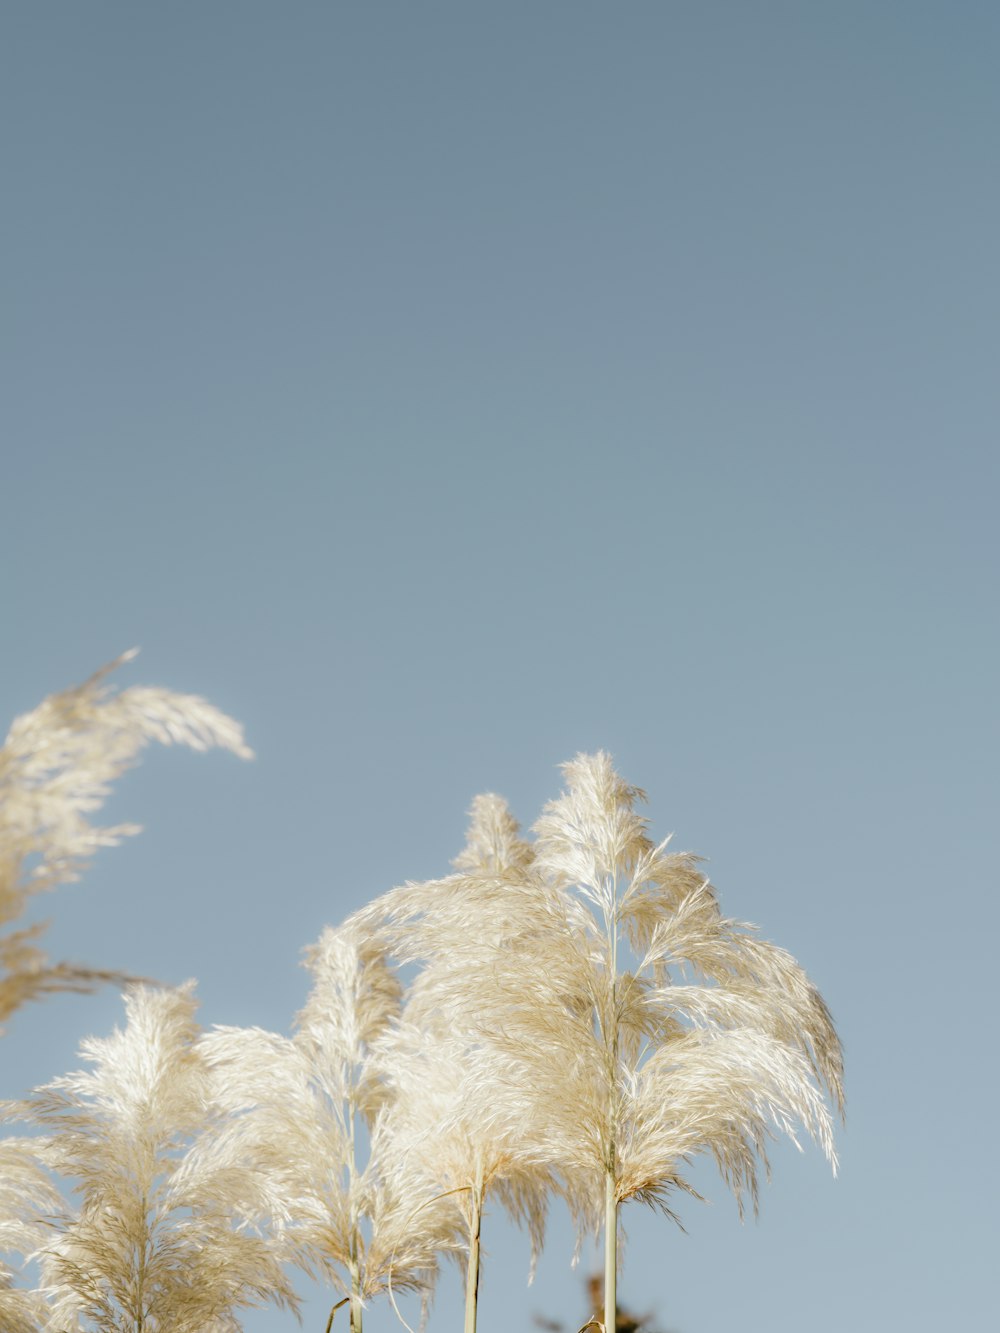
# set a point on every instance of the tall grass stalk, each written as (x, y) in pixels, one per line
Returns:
(356, 1315)
(593, 977)
(610, 1253)
(300, 1110)
(472, 1268)
(657, 1028)
(466, 1110)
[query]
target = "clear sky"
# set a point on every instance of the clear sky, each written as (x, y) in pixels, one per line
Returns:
(446, 388)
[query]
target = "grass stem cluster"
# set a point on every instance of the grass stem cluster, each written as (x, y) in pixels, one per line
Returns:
(568, 1014)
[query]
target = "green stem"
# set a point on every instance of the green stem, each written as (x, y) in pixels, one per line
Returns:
(472, 1271)
(355, 1297)
(610, 1196)
(610, 1254)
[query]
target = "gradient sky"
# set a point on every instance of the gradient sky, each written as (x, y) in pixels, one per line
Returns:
(444, 389)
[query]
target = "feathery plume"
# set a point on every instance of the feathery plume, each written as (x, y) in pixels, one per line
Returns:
(682, 1032)
(56, 769)
(160, 1239)
(459, 1130)
(493, 842)
(27, 1198)
(301, 1109)
(463, 1106)
(590, 983)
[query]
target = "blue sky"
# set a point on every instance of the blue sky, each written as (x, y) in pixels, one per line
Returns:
(446, 389)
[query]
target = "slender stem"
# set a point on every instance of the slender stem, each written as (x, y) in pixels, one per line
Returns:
(355, 1316)
(329, 1322)
(355, 1296)
(472, 1272)
(610, 1196)
(143, 1256)
(610, 1254)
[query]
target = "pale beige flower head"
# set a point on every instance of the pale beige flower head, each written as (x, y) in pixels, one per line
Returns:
(695, 1036)
(308, 1114)
(160, 1238)
(56, 769)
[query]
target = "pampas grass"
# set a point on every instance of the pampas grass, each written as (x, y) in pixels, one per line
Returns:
(579, 1019)
(459, 1132)
(159, 1239)
(693, 1035)
(27, 1197)
(610, 1009)
(56, 768)
(464, 1106)
(309, 1113)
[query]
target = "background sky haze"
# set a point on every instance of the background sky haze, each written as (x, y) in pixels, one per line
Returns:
(447, 389)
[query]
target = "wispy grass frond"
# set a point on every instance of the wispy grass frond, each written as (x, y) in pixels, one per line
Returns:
(416, 921)
(660, 905)
(591, 835)
(494, 845)
(460, 1131)
(20, 1311)
(467, 1114)
(159, 1240)
(684, 1032)
(739, 968)
(721, 1091)
(28, 1199)
(26, 975)
(463, 1105)
(56, 769)
(354, 997)
(307, 1114)
(468, 935)
(27, 1194)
